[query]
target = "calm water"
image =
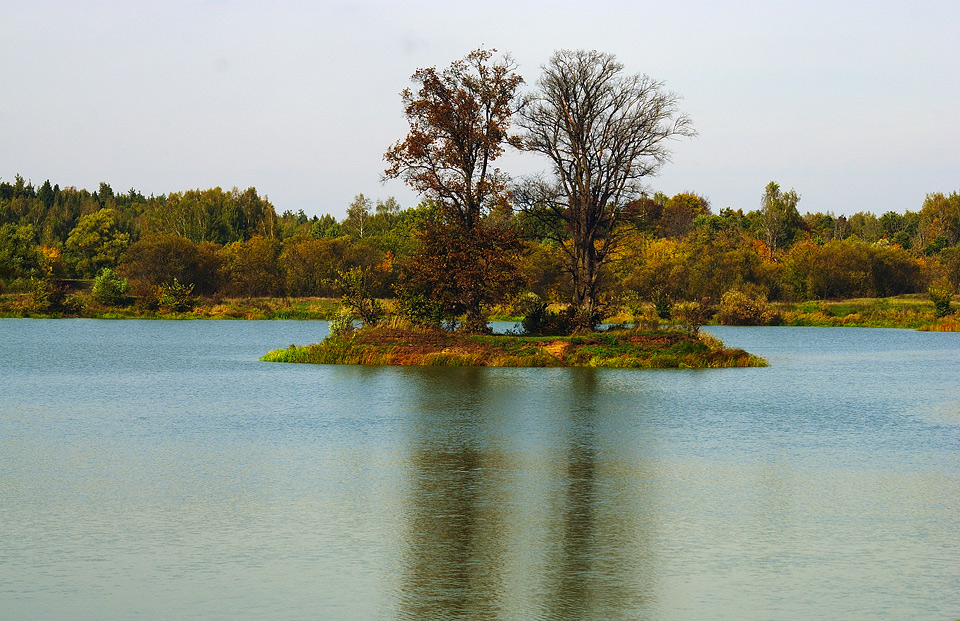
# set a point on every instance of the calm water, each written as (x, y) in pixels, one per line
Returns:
(157, 469)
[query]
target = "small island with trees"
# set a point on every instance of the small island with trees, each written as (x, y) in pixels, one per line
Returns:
(401, 343)
(580, 244)
(603, 132)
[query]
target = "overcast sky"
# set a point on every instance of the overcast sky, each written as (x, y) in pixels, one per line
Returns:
(856, 105)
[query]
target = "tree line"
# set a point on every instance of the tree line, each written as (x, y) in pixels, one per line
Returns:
(676, 249)
(585, 233)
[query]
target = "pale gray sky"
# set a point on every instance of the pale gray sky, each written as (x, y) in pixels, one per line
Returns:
(856, 105)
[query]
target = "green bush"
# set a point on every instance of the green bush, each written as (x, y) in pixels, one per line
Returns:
(738, 308)
(341, 326)
(690, 315)
(533, 310)
(661, 301)
(539, 321)
(940, 293)
(110, 289)
(175, 297)
(20, 285)
(354, 286)
(50, 296)
(419, 309)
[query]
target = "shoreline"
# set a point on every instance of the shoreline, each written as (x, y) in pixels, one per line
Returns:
(912, 312)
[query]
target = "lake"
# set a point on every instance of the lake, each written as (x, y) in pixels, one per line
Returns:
(157, 469)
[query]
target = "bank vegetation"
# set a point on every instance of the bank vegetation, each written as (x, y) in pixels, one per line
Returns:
(584, 241)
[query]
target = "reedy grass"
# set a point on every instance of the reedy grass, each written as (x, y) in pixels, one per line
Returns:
(947, 324)
(913, 311)
(908, 312)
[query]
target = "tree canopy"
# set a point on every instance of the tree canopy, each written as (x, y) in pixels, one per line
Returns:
(459, 125)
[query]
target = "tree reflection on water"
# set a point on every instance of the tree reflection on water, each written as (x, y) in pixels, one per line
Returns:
(543, 524)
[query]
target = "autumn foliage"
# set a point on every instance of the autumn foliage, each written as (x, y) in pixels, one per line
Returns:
(459, 125)
(585, 238)
(464, 270)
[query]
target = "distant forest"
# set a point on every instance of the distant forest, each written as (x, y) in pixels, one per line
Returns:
(234, 244)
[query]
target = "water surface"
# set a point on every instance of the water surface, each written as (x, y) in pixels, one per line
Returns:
(158, 469)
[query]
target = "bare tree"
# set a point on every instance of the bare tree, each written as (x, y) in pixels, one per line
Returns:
(603, 132)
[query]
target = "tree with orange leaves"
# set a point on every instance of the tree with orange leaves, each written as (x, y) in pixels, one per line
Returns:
(459, 125)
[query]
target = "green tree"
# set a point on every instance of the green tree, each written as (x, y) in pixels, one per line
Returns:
(543, 272)
(854, 268)
(658, 270)
(717, 262)
(95, 243)
(864, 225)
(822, 226)
(940, 216)
(214, 215)
(160, 259)
(386, 216)
(780, 216)
(175, 296)
(358, 215)
(739, 307)
(941, 293)
(252, 268)
(19, 257)
(105, 196)
(388, 208)
(46, 194)
(310, 265)
(357, 295)
(325, 226)
(798, 266)
(109, 288)
(949, 265)
(679, 212)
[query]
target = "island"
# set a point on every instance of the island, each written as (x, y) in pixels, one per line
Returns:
(406, 345)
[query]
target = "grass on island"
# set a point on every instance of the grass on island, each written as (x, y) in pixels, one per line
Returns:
(404, 345)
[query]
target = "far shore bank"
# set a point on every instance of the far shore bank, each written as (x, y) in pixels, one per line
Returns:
(914, 312)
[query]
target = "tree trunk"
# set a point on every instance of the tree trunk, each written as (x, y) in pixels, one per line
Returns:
(475, 322)
(585, 287)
